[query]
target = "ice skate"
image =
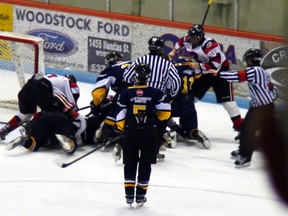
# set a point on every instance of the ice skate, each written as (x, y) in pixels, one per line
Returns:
(67, 144)
(242, 162)
(3, 132)
(19, 141)
(234, 154)
(117, 152)
(129, 200)
(200, 137)
(160, 157)
(170, 139)
(140, 200)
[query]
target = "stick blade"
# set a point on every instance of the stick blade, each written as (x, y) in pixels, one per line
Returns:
(60, 163)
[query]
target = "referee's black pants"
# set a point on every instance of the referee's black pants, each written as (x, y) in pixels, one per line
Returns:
(257, 126)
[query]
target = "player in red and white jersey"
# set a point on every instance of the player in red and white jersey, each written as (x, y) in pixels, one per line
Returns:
(208, 55)
(51, 93)
(65, 89)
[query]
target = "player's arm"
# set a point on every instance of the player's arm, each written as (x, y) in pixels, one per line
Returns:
(179, 44)
(101, 87)
(121, 111)
(163, 107)
(174, 81)
(128, 76)
(233, 75)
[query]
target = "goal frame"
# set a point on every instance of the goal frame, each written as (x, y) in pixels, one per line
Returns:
(23, 38)
(38, 60)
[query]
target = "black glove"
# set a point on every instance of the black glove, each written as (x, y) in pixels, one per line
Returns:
(95, 110)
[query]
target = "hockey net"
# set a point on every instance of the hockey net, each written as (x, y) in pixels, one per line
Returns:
(21, 56)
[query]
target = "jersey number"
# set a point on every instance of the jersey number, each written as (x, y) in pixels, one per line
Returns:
(138, 108)
(187, 84)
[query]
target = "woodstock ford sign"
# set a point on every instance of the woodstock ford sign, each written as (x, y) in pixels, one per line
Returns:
(56, 43)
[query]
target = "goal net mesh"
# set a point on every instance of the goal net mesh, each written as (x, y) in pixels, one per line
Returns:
(21, 56)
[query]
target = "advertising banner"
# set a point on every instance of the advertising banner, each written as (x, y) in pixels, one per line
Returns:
(72, 41)
(6, 24)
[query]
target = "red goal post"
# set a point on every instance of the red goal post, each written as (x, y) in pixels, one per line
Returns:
(21, 56)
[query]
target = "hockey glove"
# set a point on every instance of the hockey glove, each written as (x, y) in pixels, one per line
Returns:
(95, 110)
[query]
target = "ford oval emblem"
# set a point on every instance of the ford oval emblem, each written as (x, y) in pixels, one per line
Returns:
(56, 43)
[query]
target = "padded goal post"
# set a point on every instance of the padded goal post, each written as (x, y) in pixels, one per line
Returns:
(21, 56)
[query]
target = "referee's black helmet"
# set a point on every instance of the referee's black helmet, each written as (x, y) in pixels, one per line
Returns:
(253, 55)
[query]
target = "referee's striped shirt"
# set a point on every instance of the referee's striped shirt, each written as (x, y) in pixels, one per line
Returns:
(164, 75)
(261, 89)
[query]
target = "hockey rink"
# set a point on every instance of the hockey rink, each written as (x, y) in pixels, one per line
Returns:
(191, 181)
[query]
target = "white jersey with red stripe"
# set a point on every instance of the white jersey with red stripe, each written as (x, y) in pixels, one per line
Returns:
(208, 54)
(63, 90)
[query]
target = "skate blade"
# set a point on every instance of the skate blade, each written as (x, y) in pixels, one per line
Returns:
(139, 205)
(14, 143)
(206, 144)
(243, 166)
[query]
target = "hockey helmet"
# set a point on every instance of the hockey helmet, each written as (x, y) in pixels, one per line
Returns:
(156, 44)
(71, 78)
(142, 72)
(113, 57)
(196, 32)
(253, 55)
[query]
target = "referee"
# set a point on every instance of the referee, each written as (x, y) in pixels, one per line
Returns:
(164, 76)
(260, 118)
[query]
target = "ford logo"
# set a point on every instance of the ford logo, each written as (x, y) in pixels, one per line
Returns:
(56, 43)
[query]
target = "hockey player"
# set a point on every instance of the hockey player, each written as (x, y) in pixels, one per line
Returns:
(164, 76)
(41, 131)
(261, 113)
(139, 108)
(110, 77)
(206, 51)
(183, 105)
(49, 92)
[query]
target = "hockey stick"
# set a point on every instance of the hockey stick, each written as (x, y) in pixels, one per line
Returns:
(64, 165)
(82, 108)
(206, 13)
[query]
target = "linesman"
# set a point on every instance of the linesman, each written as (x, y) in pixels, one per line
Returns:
(259, 121)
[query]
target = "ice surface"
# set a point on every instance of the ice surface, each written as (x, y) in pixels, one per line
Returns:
(191, 181)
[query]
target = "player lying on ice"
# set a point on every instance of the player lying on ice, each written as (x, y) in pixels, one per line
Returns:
(56, 96)
(51, 129)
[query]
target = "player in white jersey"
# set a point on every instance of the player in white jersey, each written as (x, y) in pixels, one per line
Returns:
(208, 55)
(53, 94)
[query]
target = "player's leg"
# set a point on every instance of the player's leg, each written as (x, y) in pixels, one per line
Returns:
(27, 108)
(201, 86)
(130, 161)
(93, 123)
(161, 129)
(248, 138)
(148, 150)
(224, 95)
